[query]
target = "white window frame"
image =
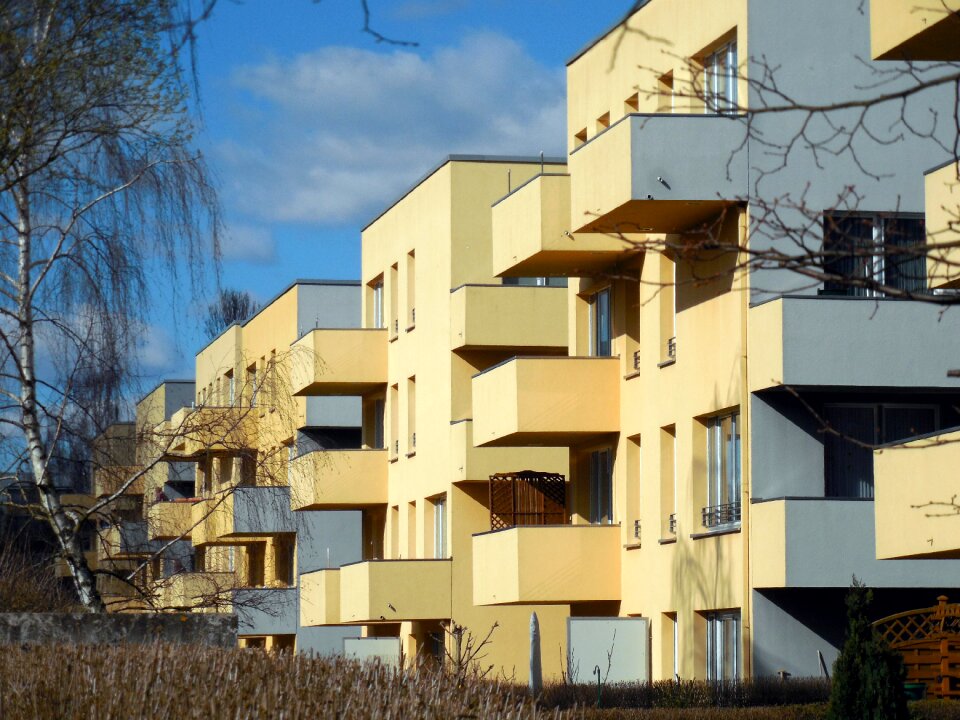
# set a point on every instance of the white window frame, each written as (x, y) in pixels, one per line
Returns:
(720, 624)
(720, 80)
(594, 324)
(724, 474)
(440, 527)
(379, 320)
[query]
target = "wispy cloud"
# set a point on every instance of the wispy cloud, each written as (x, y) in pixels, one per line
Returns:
(341, 131)
(250, 243)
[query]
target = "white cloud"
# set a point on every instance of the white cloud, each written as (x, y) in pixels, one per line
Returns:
(345, 130)
(156, 351)
(248, 242)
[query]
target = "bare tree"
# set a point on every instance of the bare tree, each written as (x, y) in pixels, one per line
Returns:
(231, 306)
(100, 191)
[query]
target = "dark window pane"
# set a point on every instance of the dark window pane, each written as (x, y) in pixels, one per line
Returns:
(900, 423)
(905, 265)
(848, 464)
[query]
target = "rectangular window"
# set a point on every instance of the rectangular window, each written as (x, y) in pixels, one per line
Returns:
(440, 527)
(411, 415)
(231, 389)
(378, 420)
(720, 80)
(601, 320)
(723, 471)
(377, 301)
(862, 251)
(252, 389)
(411, 289)
(853, 430)
(601, 487)
(394, 317)
(668, 481)
(536, 281)
(723, 645)
(665, 93)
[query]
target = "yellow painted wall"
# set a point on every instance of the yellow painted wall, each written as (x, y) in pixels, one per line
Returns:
(942, 201)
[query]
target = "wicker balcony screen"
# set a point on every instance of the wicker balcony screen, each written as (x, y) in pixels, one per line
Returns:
(929, 640)
(527, 498)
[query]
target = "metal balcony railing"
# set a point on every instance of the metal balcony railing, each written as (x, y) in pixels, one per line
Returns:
(673, 523)
(636, 359)
(636, 530)
(717, 515)
(672, 348)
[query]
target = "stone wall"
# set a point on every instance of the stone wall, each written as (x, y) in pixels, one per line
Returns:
(112, 629)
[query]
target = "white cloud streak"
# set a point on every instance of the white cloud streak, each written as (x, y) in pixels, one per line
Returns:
(342, 131)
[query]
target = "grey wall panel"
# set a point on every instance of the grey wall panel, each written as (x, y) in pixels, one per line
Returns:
(786, 638)
(338, 411)
(384, 650)
(258, 510)
(817, 52)
(786, 451)
(324, 640)
(327, 306)
(620, 646)
(328, 539)
(864, 342)
(266, 611)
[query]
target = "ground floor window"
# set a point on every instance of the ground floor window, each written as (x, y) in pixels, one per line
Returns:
(723, 645)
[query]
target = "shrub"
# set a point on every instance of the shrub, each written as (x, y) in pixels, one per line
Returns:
(28, 583)
(867, 676)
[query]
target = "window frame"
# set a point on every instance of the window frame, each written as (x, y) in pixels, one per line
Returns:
(598, 323)
(720, 75)
(717, 641)
(724, 470)
(601, 489)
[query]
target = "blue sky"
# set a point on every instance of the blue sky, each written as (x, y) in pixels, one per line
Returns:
(311, 126)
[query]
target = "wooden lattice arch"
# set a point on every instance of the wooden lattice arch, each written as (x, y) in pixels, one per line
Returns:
(929, 640)
(527, 498)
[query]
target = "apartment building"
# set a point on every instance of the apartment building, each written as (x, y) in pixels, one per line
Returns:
(433, 316)
(719, 408)
(916, 496)
(241, 434)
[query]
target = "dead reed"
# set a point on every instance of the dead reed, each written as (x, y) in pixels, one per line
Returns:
(187, 682)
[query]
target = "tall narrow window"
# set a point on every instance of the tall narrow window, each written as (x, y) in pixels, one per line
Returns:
(723, 645)
(440, 527)
(252, 385)
(231, 389)
(394, 317)
(720, 80)
(723, 471)
(665, 93)
(378, 420)
(601, 319)
(668, 308)
(411, 289)
(601, 487)
(411, 415)
(862, 251)
(394, 421)
(376, 299)
(668, 481)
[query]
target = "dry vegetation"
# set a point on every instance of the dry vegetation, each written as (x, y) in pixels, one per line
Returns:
(187, 682)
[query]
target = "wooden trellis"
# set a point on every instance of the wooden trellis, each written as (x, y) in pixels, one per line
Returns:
(527, 498)
(929, 640)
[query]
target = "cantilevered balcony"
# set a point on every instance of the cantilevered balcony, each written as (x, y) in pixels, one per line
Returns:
(338, 479)
(170, 520)
(791, 537)
(816, 341)
(320, 598)
(498, 317)
(394, 590)
(196, 589)
(111, 480)
(915, 486)
(531, 233)
(479, 463)
(546, 564)
(914, 29)
(658, 173)
(194, 431)
(349, 361)
(942, 202)
(243, 512)
(553, 401)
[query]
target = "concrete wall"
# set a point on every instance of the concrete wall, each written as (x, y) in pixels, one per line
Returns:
(787, 634)
(112, 629)
(259, 510)
(786, 450)
(177, 394)
(336, 412)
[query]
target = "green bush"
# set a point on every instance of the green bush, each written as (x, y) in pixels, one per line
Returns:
(868, 676)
